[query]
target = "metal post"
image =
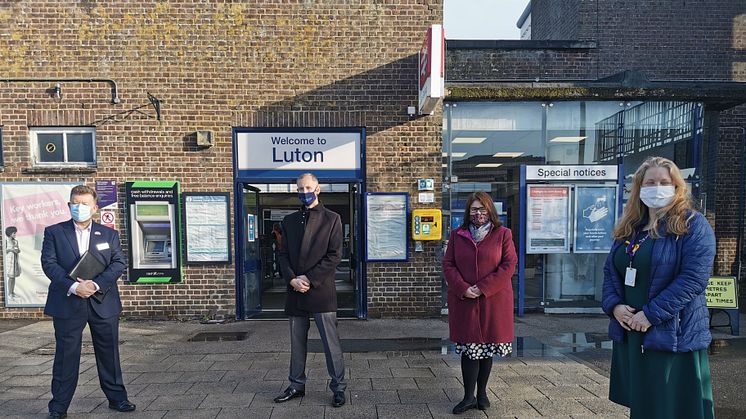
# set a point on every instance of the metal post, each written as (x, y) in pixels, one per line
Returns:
(522, 242)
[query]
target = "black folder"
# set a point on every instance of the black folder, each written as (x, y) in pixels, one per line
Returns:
(88, 267)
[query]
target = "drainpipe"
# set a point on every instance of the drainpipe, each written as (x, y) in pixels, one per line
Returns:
(741, 203)
(114, 89)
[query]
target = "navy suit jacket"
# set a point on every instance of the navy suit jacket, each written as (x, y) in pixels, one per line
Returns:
(59, 254)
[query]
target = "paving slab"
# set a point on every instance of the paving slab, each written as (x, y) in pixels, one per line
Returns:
(169, 377)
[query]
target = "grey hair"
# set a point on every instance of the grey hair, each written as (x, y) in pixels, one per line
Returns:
(305, 175)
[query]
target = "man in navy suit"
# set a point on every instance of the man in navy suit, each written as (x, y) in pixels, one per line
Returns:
(71, 306)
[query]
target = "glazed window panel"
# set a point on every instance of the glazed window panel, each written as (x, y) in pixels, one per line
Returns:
(63, 146)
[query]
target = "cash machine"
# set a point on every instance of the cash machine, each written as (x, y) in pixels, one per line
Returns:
(152, 234)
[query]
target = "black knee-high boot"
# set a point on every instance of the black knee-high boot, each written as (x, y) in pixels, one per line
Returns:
(469, 373)
(485, 367)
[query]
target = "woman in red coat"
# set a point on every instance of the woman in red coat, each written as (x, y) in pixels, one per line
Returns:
(478, 266)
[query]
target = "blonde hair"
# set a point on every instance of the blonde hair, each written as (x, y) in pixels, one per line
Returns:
(676, 213)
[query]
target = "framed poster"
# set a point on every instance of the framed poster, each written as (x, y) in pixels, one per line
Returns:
(29, 208)
(547, 219)
(386, 226)
(208, 230)
(595, 218)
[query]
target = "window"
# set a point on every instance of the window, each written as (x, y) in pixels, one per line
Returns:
(64, 146)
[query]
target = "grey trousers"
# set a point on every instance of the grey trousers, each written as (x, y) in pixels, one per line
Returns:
(327, 325)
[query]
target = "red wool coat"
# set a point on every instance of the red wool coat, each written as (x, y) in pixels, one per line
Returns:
(490, 265)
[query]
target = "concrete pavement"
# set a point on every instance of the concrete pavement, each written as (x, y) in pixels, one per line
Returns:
(396, 369)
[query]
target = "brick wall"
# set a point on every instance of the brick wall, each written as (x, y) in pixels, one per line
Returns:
(217, 65)
(555, 19)
(484, 61)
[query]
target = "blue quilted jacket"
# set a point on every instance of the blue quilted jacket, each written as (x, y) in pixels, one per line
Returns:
(681, 267)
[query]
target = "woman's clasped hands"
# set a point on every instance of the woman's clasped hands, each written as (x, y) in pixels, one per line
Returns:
(631, 319)
(473, 292)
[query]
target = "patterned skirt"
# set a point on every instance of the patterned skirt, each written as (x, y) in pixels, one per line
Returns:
(476, 351)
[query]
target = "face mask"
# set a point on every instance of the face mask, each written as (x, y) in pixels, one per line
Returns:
(479, 219)
(657, 196)
(80, 212)
(307, 198)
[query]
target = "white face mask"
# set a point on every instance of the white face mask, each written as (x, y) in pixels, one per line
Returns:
(657, 196)
(80, 212)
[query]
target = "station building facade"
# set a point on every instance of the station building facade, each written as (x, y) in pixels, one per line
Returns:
(194, 119)
(596, 84)
(150, 102)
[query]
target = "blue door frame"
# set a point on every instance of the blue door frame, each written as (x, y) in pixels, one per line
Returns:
(356, 179)
(244, 264)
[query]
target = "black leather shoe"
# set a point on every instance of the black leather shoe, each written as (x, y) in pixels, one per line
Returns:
(483, 403)
(465, 405)
(123, 406)
(289, 393)
(339, 399)
(56, 415)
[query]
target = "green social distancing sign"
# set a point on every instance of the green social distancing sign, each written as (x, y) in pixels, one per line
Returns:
(721, 292)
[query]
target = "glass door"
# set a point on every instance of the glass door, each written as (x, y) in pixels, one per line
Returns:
(250, 265)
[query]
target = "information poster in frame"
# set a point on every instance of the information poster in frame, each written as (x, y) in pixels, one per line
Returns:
(27, 209)
(386, 226)
(548, 219)
(207, 220)
(595, 218)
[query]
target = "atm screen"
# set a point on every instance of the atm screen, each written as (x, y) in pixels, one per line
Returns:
(155, 246)
(151, 209)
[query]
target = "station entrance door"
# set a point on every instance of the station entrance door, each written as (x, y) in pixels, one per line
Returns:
(260, 287)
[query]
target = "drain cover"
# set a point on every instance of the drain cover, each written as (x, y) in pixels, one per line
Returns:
(218, 336)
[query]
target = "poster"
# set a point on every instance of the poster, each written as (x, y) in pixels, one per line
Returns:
(28, 208)
(250, 228)
(386, 226)
(548, 219)
(595, 218)
(153, 231)
(207, 228)
(722, 292)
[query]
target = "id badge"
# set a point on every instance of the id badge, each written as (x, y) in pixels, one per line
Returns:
(629, 277)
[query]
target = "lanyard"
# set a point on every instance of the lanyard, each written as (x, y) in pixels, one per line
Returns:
(633, 247)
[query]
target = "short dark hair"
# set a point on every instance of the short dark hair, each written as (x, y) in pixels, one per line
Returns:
(83, 190)
(10, 230)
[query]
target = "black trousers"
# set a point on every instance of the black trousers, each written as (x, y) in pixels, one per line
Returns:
(68, 335)
(327, 325)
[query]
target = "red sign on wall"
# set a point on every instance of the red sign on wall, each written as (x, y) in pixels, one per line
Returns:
(431, 68)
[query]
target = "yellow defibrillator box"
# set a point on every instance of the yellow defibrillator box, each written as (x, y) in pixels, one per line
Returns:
(427, 224)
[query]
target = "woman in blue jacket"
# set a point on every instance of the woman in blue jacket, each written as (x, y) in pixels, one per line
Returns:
(654, 292)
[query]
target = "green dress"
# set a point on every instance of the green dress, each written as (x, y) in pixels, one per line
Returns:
(656, 384)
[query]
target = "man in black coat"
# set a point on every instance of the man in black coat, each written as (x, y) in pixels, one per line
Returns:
(311, 250)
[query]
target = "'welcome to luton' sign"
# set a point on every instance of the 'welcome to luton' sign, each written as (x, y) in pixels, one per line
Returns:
(286, 154)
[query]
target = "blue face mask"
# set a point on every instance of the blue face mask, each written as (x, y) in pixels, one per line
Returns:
(306, 198)
(80, 212)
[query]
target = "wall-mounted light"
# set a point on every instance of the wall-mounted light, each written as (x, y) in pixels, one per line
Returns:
(57, 92)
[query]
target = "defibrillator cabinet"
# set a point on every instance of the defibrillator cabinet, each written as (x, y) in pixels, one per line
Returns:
(427, 224)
